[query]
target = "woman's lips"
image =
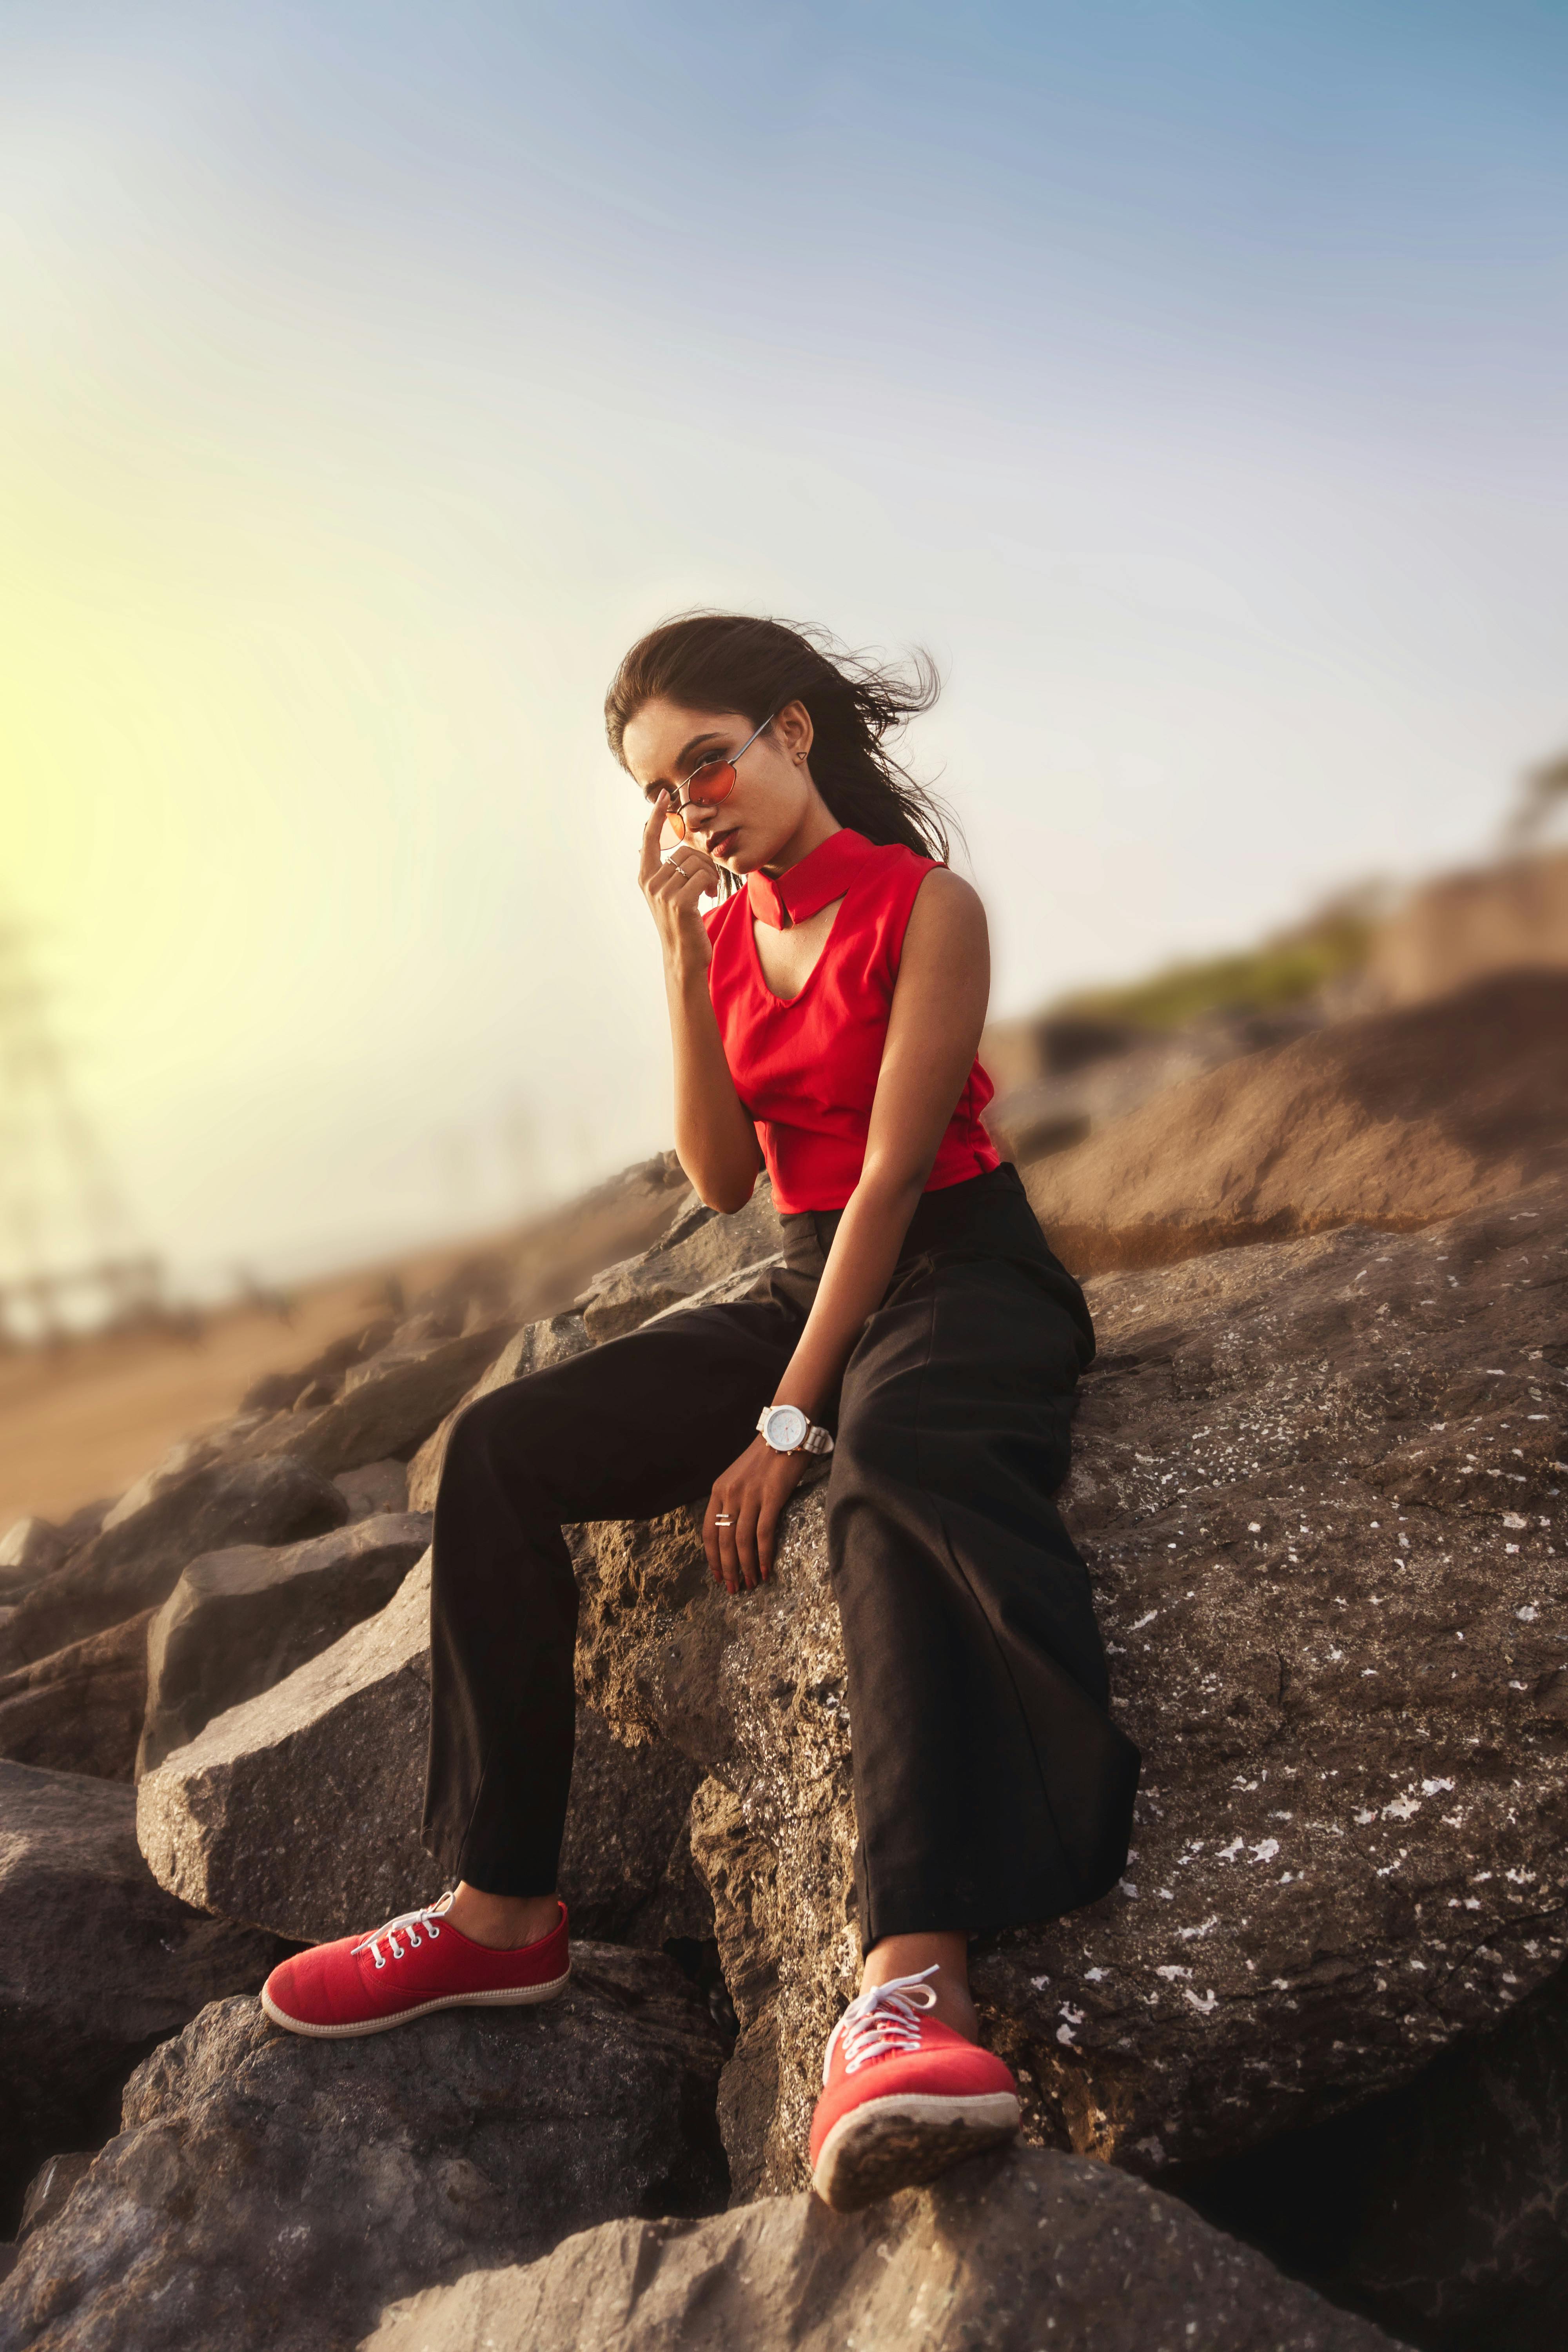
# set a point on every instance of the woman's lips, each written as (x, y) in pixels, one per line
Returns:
(719, 842)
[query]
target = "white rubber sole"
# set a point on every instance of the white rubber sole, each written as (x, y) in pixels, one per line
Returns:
(906, 2139)
(524, 1998)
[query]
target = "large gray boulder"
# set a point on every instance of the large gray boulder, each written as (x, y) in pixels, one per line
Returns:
(80, 1708)
(268, 2193)
(29, 1550)
(136, 1564)
(1441, 2208)
(388, 1405)
(1010, 2252)
(300, 1808)
(239, 1621)
(699, 1251)
(97, 1964)
(1319, 1485)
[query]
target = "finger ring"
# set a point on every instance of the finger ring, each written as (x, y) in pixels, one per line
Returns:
(723, 1520)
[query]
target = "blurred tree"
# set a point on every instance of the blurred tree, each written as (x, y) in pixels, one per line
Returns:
(1542, 791)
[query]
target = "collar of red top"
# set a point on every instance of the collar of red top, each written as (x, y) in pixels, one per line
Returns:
(807, 887)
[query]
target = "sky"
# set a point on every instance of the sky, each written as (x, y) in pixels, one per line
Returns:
(1189, 378)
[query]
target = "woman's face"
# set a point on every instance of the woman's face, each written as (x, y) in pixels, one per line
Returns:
(772, 795)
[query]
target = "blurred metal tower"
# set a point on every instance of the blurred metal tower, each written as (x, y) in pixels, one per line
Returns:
(67, 1254)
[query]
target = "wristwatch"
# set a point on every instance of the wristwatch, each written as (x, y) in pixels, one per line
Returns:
(786, 1429)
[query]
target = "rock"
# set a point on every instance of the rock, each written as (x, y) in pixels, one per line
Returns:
(1319, 1489)
(269, 2193)
(80, 1708)
(1441, 2208)
(29, 1550)
(691, 1258)
(97, 1964)
(1396, 1120)
(50, 2189)
(534, 1347)
(1010, 2252)
(83, 1524)
(278, 1391)
(239, 1621)
(388, 1406)
(1095, 1071)
(1452, 931)
(187, 1453)
(379, 1487)
(137, 1564)
(300, 1810)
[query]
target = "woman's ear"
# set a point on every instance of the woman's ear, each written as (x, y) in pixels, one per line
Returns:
(793, 732)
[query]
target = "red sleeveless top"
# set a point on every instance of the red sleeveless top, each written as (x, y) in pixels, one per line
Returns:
(806, 1066)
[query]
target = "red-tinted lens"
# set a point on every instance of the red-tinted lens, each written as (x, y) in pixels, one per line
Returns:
(713, 781)
(674, 830)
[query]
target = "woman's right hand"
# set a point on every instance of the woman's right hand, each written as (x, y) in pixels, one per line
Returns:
(673, 890)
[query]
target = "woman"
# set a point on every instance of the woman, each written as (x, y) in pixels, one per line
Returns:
(824, 1016)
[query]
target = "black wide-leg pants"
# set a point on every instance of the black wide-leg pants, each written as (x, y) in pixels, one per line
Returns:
(991, 1786)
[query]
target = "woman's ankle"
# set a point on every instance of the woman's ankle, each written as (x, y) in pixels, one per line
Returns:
(909, 1955)
(502, 1922)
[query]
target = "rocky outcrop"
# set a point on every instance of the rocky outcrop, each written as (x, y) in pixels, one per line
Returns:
(80, 1708)
(136, 1564)
(268, 2193)
(375, 1490)
(536, 1346)
(1441, 2208)
(241, 1620)
(387, 1406)
(699, 1251)
(1320, 1488)
(1451, 932)
(97, 1964)
(1011, 2252)
(1395, 1120)
(29, 1550)
(300, 1810)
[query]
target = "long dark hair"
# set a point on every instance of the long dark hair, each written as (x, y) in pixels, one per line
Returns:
(734, 661)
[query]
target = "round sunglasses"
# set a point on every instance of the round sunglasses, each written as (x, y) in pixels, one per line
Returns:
(711, 782)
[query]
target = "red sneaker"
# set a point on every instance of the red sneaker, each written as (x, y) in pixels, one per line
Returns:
(363, 1984)
(903, 2098)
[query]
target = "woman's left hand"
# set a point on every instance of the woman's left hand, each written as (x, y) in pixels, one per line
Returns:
(751, 1494)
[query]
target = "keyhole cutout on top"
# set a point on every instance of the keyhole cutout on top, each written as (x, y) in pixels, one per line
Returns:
(788, 958)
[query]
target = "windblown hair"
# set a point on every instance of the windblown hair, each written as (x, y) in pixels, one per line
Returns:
(733, 661)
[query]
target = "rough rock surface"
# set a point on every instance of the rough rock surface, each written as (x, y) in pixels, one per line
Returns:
(1441, 2208)
(1395, 1120)
(270, 2194)
(97, 1964)
(700, 1249)
(80, 1708)
(374, 1490)
(136, 1564)
(300, 1810)
(387, 1406)
(1320, 1486)
(239, 1621)
(1009, 2252)
(534, 1347)
(29, 1550)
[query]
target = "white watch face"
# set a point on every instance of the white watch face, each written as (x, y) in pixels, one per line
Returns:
(784, 1427)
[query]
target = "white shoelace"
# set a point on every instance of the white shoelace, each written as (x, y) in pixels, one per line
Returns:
(887, 2018)
(406, 1924)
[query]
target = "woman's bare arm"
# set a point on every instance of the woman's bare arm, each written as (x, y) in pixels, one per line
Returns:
(715, 1141)
(933, 1031)
(934, 1034)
